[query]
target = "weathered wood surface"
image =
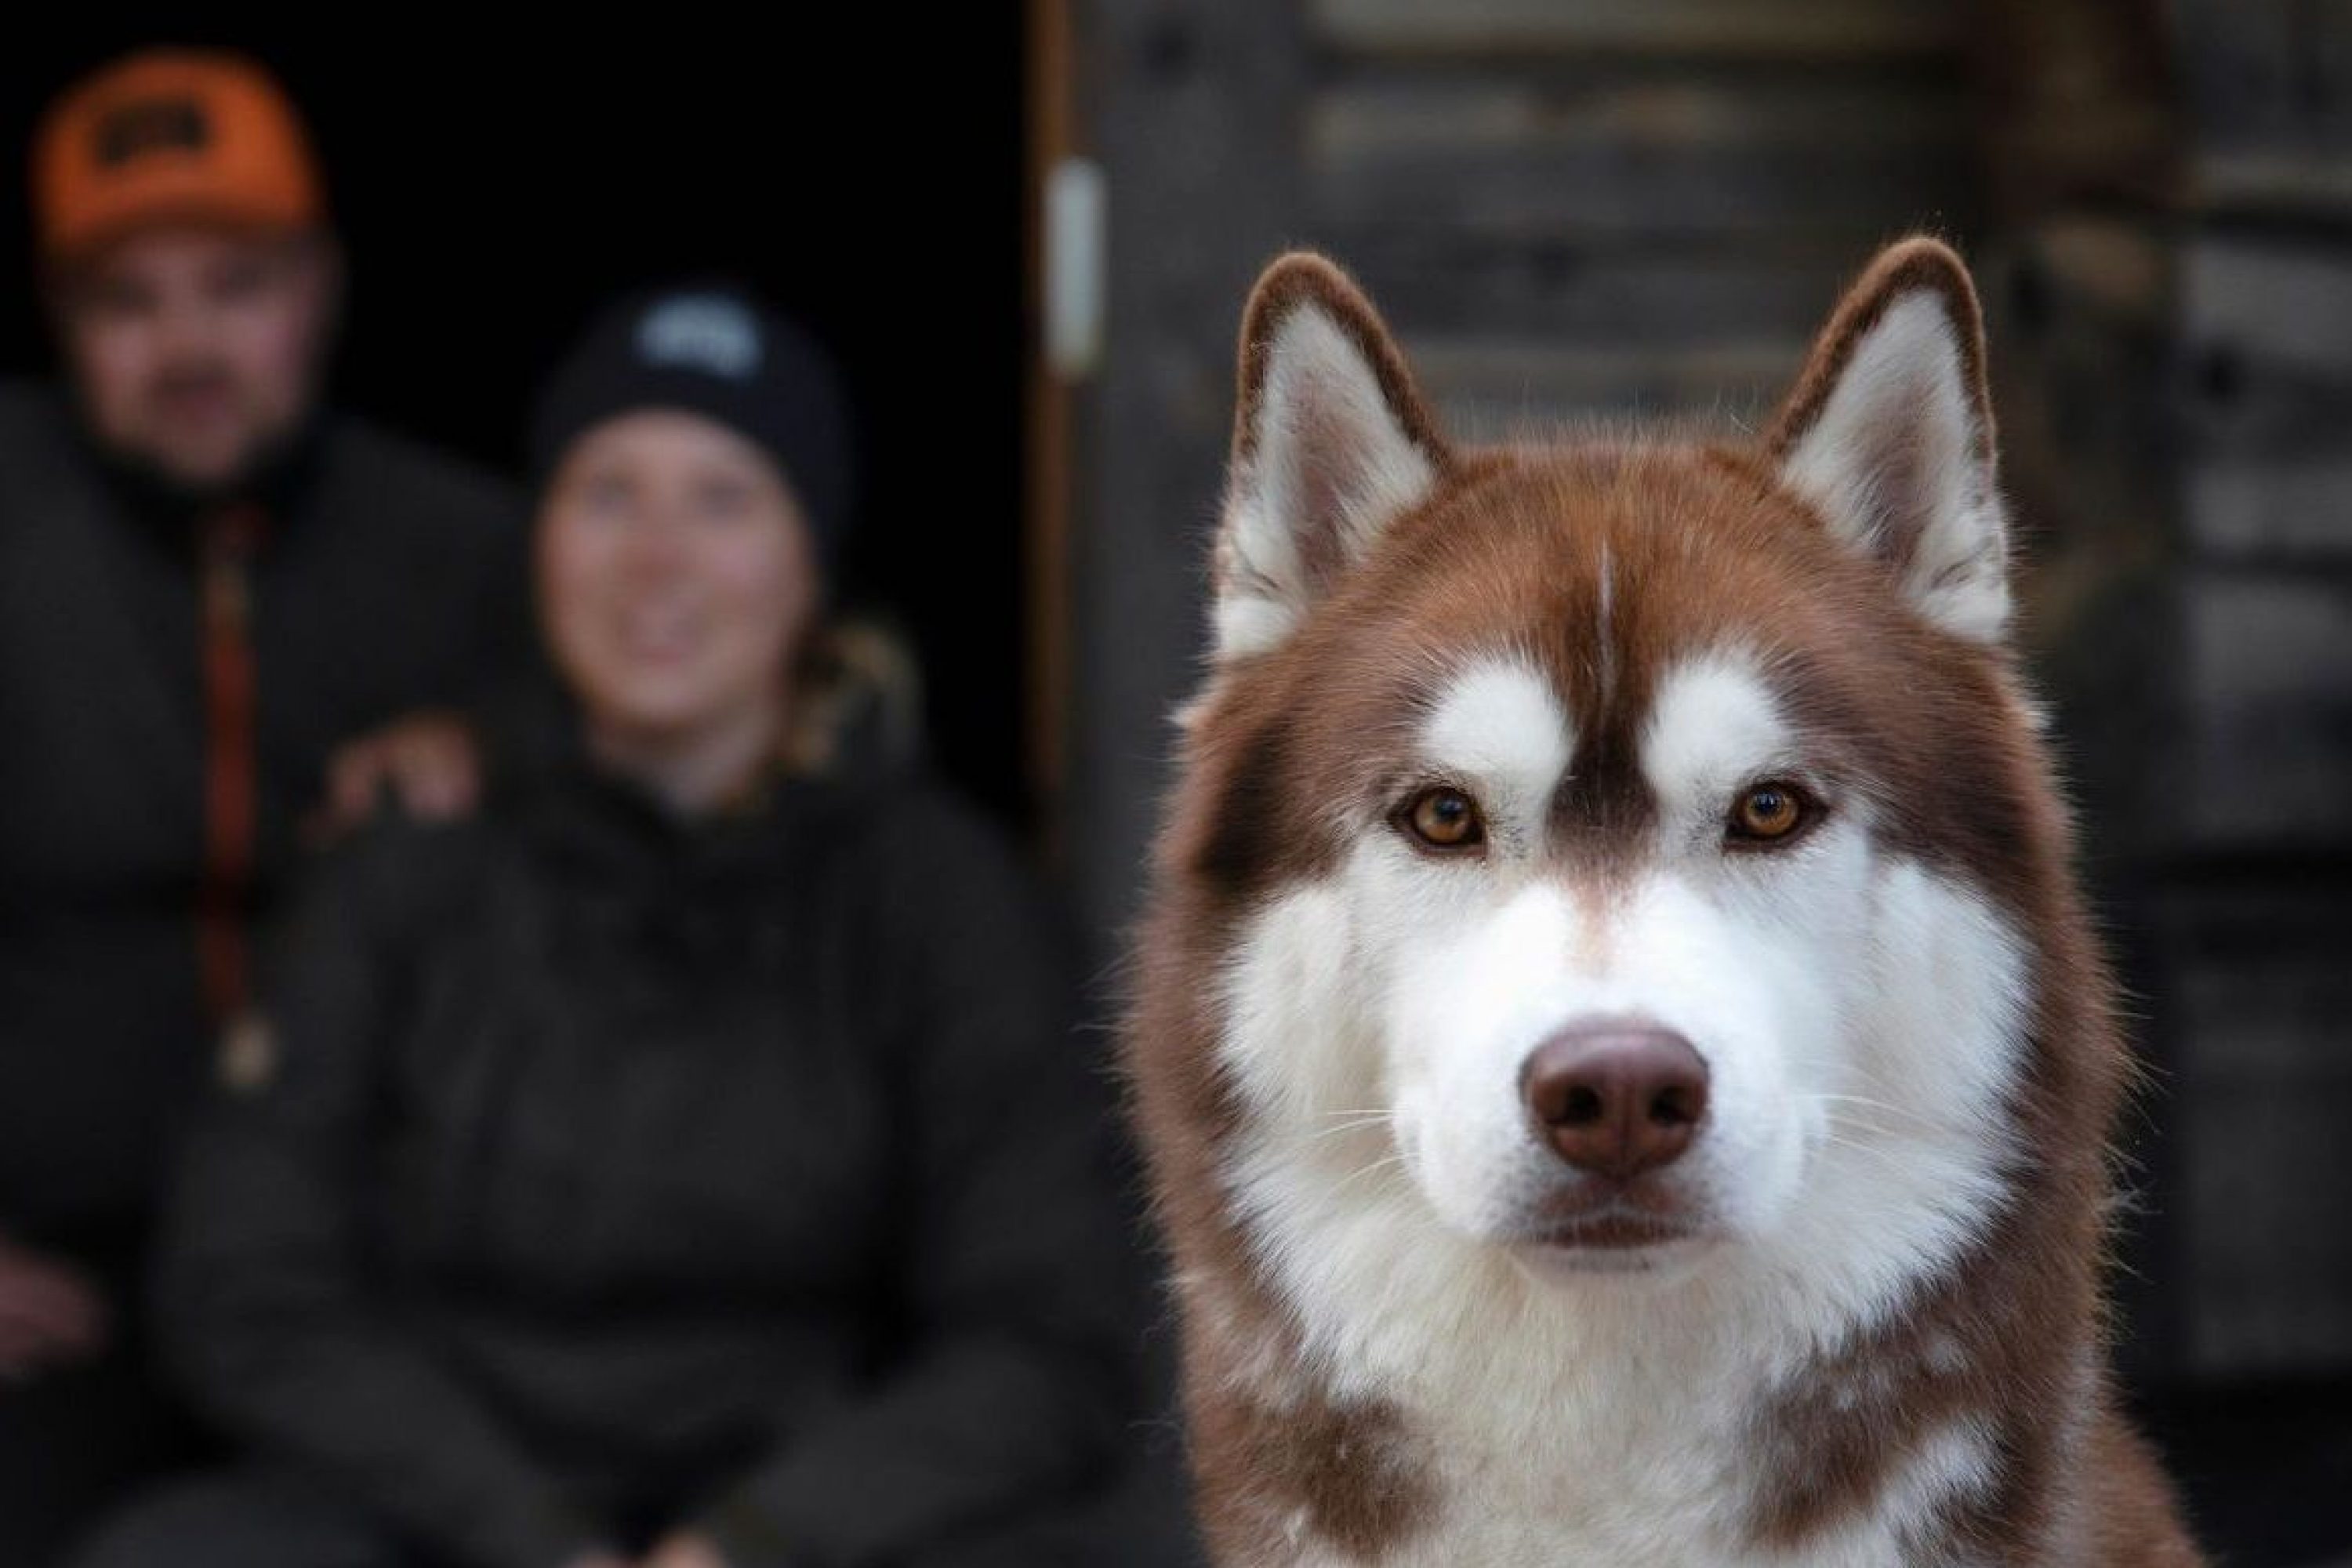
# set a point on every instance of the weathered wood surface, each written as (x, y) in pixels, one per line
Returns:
(2077, 107)
(2273, 304)
(2265, 399)
(1581, 290)
(2268, 84)
(1590, 158)
(1772, 29)
(2266, 72)
(2286, 510)
(2261, 993)
(1506, 389)
(2264, 756)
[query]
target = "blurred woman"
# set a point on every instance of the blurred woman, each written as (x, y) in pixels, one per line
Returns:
(688, 1161)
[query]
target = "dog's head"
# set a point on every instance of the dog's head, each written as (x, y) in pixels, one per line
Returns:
(1624, 847)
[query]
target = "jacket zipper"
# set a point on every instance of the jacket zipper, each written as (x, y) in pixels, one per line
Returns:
(230, 539)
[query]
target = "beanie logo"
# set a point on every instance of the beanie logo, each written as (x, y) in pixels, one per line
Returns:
(709, 333)
(150, 125)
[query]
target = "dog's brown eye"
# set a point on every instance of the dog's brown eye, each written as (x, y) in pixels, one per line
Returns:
(1445, 819)
(1769, 811)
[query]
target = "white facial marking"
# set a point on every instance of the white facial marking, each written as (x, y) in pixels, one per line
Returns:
(1714, 726)
(1497, 728)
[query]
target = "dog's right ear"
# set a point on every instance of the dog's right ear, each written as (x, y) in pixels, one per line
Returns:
(1331, 443)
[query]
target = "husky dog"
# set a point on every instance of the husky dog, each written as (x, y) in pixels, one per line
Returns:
(1625, 1070)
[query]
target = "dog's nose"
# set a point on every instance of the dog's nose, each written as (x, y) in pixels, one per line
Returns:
(1616, 1099)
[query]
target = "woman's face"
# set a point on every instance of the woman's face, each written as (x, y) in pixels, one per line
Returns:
(675, 578)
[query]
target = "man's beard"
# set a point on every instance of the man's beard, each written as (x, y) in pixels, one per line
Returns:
(261, 468)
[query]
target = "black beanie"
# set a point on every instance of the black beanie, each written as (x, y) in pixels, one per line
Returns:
(711, 349)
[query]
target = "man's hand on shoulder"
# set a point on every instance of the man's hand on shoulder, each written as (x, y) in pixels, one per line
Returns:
(427, 762)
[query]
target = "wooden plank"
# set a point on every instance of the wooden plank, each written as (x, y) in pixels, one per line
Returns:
(2279, 511)
(2281, 304)
(2266, 350)
(2253, 990)
(1441, 283)
(2101, 268)
(2245, 66)
(2078, 106)
(1647, 159)
(2264, 759)
(2261, 984)
(1509, 388)
(2271, 183)
(2270, 1275)
(1466, 113)
(1772, 29)
(2233, 408)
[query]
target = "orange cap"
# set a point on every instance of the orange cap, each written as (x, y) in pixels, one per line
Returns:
(171, 135)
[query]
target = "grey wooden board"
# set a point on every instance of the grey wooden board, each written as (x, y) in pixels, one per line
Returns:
(2265, 350)
(2284, 509)
(2259, 979)
(2265, 755)
(1392, 110)
(1553, 161)
(1771, 28)
(2271, 78)
(2257, 997)
(2231, 408)
(2275, 303)
(1502, 389)
(1614, 180)
(2271, 1280)
(1626, 296)
(2245, 65)
(2273, 181)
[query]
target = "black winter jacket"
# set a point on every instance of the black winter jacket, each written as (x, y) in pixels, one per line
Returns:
(388, 578)
(590, 1170)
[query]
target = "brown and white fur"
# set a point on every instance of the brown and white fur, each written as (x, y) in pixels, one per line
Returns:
(1857, 1320)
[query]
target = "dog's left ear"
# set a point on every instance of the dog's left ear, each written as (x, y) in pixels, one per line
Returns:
(1889, 434)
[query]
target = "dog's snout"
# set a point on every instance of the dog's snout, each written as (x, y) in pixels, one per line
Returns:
(1616, 1099)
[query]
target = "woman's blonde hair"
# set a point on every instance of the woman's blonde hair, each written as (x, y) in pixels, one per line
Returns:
(857, 683)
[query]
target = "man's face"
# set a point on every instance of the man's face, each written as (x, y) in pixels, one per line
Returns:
(196, 352)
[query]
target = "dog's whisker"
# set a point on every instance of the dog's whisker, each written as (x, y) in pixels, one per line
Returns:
(1904, 1111)
(1357, 1125)
(1918, 1128)
(1386, 1162)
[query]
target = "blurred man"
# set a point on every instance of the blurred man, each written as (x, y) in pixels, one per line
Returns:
(206, 583)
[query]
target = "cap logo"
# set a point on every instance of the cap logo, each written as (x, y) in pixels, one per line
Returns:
(150, 125)
(707, 332)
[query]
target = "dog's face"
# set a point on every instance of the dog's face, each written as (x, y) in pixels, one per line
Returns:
(1622, 836)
